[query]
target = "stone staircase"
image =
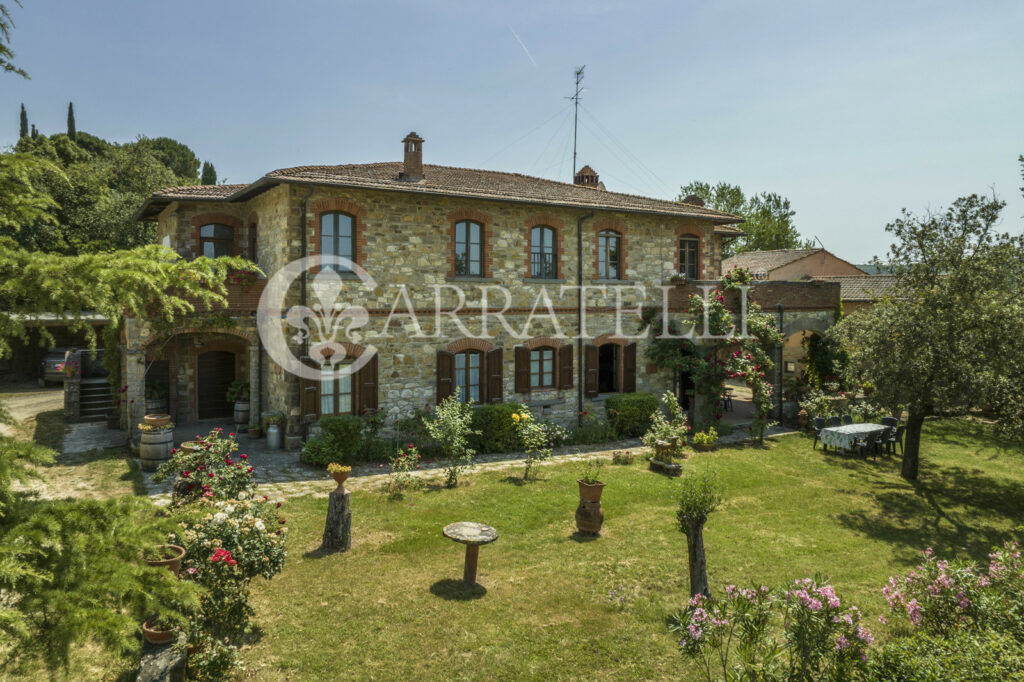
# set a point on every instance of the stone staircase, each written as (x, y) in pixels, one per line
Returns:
(95, 402)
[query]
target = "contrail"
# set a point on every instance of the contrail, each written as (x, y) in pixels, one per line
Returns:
(522, 44)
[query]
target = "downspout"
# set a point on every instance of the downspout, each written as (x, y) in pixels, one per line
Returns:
(304, 252)
(581, 371)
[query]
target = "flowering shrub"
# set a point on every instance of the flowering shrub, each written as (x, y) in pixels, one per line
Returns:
(208, 468)
(556, 434)
(706, 437)
(450, 427)
(247, 529)
(801, 633)
(534, 439)
(403, 464)
(674, 427)
(623, 457)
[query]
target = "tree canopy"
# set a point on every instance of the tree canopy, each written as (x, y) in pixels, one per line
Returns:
(768, 217)
(950, 337)
(6, 54)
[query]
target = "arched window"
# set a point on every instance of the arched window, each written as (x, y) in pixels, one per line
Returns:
(469, 236)
(216, 240)
(337, 238)
(689, 250)
(609, 255)
(542, 367)
(543, 263)
(469, 375)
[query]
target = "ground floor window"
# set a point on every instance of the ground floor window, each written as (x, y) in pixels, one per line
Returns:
(335, 390)
(468, 376)
(542, 368)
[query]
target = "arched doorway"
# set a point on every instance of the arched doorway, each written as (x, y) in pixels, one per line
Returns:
(215, 372)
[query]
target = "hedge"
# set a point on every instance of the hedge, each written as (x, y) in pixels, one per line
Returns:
(630, 413)
(497, 429)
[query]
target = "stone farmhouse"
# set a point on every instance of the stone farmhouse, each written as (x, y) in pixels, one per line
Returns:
(424, 230)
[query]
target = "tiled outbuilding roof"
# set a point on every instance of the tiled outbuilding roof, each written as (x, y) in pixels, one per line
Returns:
(862, 287)
(450, 181)
(767, 261)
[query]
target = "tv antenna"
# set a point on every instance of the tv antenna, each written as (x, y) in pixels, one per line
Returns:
(576, 114)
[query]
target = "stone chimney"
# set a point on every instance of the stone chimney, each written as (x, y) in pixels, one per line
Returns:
(412, 169)
(587, 176)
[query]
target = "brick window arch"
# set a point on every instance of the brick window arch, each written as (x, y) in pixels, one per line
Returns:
(356, 213)
(231, 241)
(469, 248)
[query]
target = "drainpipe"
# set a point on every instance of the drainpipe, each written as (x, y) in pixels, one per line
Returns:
(581, 371)
(304, 252)
(782, 328)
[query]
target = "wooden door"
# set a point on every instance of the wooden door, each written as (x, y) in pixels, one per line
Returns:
(215, 373)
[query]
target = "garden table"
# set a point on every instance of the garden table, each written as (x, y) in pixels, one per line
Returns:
(843, 437)
(472, 535)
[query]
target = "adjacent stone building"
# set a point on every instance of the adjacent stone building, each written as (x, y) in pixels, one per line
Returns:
(421, 232)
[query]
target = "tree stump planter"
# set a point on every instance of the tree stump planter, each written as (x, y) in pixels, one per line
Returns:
(669, 468)
(694, 528)
(338, 528)
(589, 514)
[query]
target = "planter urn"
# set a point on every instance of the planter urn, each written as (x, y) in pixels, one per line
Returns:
(340, 477)
(589, 514)
(157, 419)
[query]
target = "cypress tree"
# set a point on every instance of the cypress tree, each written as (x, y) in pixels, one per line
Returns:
(209, 175)
(71, 120)
(23, 131)
(35, 133)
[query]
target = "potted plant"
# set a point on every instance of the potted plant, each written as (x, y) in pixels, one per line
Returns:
(704, 441)
(340, 474)
(157, 419)
(254, 430)
(802, 418)
(167, 555)
(589, 515)
(238, 393)
(157, 631)
(156, 399)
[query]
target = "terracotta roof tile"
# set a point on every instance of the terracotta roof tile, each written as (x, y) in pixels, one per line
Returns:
(198, 192)
(765, 260)
(862, 287)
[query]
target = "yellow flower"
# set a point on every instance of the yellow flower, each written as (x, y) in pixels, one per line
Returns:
(515, 416)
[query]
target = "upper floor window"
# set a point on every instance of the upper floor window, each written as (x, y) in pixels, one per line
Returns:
(337, 238)
(469, 375)
(542, 367)
(542, 253)
(609, 255)
(216, 240)
(469, 248)
(335, 390)
(689, 247)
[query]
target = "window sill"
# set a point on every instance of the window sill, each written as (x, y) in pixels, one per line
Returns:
(627, 282)
(543, 280)
(468, 278)
(545, 403)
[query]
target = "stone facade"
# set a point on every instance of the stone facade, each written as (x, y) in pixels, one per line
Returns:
(405, 239)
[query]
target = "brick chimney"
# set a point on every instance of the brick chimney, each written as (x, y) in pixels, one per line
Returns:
(412, 169)
(586, 176)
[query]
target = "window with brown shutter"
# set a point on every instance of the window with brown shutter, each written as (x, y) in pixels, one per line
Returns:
(445, 375)
(522, 369)
(591, 361)
(629, 368)
(495, 376)
(565, 367)
(366, 387)
(309, 395)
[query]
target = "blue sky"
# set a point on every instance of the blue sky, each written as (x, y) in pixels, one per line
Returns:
(852, 110)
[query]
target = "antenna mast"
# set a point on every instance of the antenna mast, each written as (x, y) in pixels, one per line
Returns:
(576, 114)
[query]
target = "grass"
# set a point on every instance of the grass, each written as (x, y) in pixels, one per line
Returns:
(553, 606)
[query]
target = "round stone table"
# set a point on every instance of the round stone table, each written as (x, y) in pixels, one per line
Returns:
(472, 535)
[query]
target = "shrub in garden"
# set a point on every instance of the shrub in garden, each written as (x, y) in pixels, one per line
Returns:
(340, 440)
(211, 469)
(623, 457)
(450, 427)
(403, 463)
(556, 434)
(495, 427)
(629, 414)
(534, 439)
(591, 430)
(799, 633)
(706, 438)
(666, 429)
(959, 657)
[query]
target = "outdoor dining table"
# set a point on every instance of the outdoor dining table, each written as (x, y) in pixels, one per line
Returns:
(843, 437)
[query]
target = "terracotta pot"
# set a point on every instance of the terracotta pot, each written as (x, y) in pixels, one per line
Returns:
(340, 477)
(154, 636)
(172, 556)
(190, 445)
(157, 419)
(590, 492)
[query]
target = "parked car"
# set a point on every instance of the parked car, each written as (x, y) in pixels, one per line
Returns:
(48, 372)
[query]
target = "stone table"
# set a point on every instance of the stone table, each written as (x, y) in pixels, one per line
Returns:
(472, 535)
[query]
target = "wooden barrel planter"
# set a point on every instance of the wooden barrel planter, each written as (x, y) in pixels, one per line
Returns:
(241, 414)
(155, 448)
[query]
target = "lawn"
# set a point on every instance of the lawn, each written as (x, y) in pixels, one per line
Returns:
(555, 607)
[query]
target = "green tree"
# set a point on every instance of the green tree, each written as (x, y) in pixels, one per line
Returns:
(209, 175)
(179, 158)
(23, 123)
(950, 337)
(71, 120)
(768, 217)
(6, 54)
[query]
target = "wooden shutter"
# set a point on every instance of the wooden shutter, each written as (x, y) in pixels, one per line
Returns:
(590, 385)
(445, 375)
(366, 387)
(629, 368)
(522, 356)
(565, 366)
(495, 378)
(309, 394)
